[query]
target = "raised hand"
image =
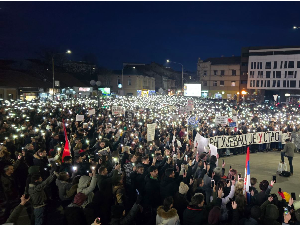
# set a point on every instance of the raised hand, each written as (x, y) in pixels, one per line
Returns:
(270, 199)
(234, 205)
(24, 200)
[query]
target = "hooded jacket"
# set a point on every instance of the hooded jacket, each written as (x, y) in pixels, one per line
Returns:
(167, 218)
(85, 189)
(37, 193)
(63, 187)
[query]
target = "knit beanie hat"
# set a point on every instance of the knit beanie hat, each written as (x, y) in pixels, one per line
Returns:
(214, 216)
(183, 188)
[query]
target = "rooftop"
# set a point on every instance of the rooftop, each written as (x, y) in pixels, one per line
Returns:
(224, 60)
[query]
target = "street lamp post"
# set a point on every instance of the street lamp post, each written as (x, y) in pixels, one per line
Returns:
(97, 84)
(127, 64)
(68, 52)
(168, 61)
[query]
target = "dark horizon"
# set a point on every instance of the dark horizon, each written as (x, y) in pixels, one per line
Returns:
(145, 32)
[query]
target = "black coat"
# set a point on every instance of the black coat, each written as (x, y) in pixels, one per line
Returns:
(138, 182)
(152, 192)
(169, 186)
(180, 204)
(194, 215)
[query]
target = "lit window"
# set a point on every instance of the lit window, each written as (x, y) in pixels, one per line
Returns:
(233, 83)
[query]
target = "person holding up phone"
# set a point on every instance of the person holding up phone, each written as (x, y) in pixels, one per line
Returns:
(14, 216)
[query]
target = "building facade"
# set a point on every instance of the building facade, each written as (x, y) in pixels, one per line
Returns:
(220, 77)
(135, 83)
(275, 71)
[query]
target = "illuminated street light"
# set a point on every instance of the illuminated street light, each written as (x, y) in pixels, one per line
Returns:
(67, 52)
(168, 61)
(295, 28)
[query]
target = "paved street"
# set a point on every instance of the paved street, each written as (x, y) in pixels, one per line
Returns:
(263, 166)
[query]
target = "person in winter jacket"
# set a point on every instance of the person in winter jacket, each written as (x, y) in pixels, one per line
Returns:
(262, 196)
(130, 167)
(74, 213)
(104, 181)
(196, 213)
(169, 185)
(152, 188)
(254, 219)
(86, 186)
(38, 195)
(14, 216)
(166, 215)
(40, 159)
(270, 213)
(63, 184)
(118, 215)
(137, 179)
(10, 189)
(118, 190)
(8, 183)
(180, 200)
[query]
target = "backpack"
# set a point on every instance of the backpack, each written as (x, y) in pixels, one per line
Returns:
(285, 174)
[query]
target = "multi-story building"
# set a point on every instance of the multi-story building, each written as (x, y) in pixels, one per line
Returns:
(274, 71)
(163, 78)
(220, 77)
(135, 82)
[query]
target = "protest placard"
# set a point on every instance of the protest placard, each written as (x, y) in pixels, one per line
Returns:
(79, 117)
(92, 112)
(223, 120)
(151, 131)
(117, 110)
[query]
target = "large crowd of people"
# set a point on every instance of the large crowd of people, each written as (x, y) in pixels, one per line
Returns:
(104, 170)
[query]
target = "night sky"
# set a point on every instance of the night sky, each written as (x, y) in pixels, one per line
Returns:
(145, 32)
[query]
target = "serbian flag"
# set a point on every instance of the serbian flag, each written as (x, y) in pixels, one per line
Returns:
(247, 183)
(66, 151)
